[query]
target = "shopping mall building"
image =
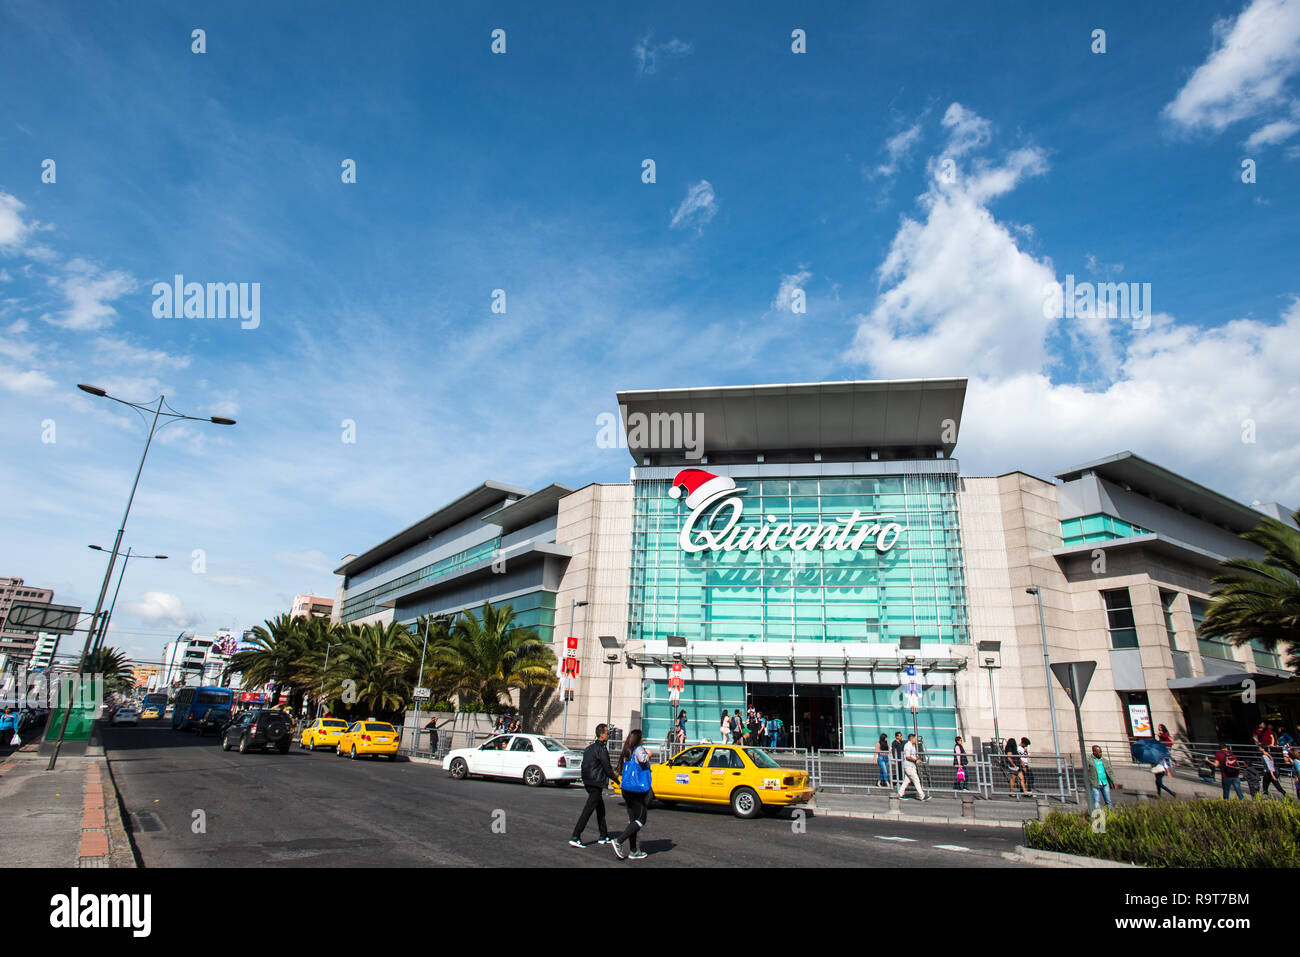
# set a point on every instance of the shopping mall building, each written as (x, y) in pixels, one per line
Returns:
(813, 542)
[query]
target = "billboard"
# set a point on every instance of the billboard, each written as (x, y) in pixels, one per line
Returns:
(34, 616)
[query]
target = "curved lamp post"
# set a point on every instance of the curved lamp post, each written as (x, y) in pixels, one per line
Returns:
(102, 632)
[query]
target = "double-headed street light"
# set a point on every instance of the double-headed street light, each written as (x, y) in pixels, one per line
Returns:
(103, 632)
(158, 413)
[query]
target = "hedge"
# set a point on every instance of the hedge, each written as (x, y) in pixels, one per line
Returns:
(1202, 833)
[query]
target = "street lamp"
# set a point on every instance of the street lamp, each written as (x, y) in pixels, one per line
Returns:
(321, 703)
(158, 413)
(1047, 676)
(564, 732)
(611, 646)
(677, 645)
(103, 632)
(989, 652)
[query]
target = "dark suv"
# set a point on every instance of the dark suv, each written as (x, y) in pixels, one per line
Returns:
(214, 720)
(259, 729)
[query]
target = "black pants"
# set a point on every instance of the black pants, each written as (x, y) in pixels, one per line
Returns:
(1029, 778)
(1270, 779)
(1160, 786)
(637, 810)
(595, 802)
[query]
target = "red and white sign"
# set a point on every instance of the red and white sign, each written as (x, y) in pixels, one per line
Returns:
(571, 643)
(569, 666)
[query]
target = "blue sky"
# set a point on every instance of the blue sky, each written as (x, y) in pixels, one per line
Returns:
(826, 172)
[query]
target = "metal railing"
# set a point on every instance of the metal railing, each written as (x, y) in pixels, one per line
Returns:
(986, 775)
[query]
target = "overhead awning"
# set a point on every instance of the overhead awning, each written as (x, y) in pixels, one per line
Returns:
(1232, 682)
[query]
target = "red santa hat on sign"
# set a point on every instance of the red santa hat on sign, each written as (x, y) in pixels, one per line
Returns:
(701, 486)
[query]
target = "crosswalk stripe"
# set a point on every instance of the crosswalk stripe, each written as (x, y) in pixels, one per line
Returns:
(884, 838)
(951, 847)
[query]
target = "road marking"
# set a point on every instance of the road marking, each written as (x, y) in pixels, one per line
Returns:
(951, 847)
(884, 838)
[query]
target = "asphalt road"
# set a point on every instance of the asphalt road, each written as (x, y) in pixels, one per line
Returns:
(191, 804)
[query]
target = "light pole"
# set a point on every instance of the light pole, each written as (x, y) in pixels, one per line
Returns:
(1047, 676)
(103, 632)
(610, 644)
(320, 705)
(158, 413)
(677, 645)
(990, 650)
(564, 733)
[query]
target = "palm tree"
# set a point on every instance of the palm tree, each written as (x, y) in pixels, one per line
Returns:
(376, 658)
(1260, 601)
(488, 655)
(277, 647)
(111, 663)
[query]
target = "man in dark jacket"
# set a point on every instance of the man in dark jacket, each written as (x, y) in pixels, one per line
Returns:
(596, 775)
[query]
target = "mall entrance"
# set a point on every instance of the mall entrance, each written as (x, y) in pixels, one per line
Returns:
(811, 714)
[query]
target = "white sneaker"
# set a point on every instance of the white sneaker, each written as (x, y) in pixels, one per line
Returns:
(637, 855)
(606, 840)
(576, 843)
(619, 852)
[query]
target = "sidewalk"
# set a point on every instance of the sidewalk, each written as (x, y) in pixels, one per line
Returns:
(67, 817)
(943, 809)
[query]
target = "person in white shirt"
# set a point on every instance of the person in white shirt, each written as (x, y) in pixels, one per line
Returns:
(911, 763)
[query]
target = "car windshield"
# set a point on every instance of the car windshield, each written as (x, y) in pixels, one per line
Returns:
(550, 744)
(761, 758)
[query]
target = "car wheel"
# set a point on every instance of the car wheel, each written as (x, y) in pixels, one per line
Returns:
(745, 803)
(533, 776)
(243, 745)
(393, 756)
(225, 743)
(459, 769)
(354, 752)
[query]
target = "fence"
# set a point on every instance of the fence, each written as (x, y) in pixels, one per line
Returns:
(1194, 760)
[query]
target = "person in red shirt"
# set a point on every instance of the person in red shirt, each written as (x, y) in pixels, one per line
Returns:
(1264, 735)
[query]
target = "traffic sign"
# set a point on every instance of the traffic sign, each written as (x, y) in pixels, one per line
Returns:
(422, 694)
(1074, 677)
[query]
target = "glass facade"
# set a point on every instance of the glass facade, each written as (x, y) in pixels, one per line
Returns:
(366, 602)
(819, 596)
(917, 587)
(1119, 618)
(1098, 528)
(1209, 647)
(535, 610)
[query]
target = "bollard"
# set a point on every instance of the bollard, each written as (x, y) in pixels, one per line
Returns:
(1044, 808)
(968, 806)
(895, 804)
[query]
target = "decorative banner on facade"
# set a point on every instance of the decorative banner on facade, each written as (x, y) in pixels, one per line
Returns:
(715, 498)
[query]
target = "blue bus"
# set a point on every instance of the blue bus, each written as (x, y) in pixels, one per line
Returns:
(155, 699)
(191, 704)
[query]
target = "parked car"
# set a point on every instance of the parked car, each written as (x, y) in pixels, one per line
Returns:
(258, 729)
(532, 758)
(124, 715)
(747, 779)
(150, 714)
(323, 733)
(214, 721)
(369, 737)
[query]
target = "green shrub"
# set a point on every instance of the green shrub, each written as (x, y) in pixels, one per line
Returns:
(1203, 833)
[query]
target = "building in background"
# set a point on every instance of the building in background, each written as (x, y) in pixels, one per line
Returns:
(43, 651)
(197, 660)
(16, 645)
(312, 606)
(147, 677)
(819, 555)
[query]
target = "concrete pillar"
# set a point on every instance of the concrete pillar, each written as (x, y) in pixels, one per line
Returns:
(968, 806)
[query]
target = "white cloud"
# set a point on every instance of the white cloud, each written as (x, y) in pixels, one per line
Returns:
(785, 292)
(1272, 133)
(1247, 71)
(697, 208)
(31, 382)
(159, 609)
(118, 352)
(897, 147)
(313, 560)
(968, 130)
(647, 53)
(12, 228)
(959, 297)
(90, 291)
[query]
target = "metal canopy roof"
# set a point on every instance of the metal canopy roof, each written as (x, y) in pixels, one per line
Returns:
(471, 503)
(814, 416)
(1158, 483)
(530, 508)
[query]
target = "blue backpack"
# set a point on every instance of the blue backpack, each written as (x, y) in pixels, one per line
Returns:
(635, 777)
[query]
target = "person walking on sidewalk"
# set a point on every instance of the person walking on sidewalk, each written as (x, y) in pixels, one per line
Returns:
(725, 728)
(432, 728)
(8, 729)
(1015, 770)
(1100, 778)
(1270, 774)
(1024, 764)
(959, 762)
(1230, 770)
(634, 769)
(911, 764)
(882, 761)
(1160, 770)
(596, 775)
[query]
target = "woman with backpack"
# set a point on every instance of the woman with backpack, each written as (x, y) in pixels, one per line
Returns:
(1230, 768)
(1015, 770)
(634, 771)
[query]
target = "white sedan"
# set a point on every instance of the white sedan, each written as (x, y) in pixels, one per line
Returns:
(125, 715)
(533, 758)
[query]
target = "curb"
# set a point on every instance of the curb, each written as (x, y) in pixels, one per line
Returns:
(913, 818)
(104, 841)
(1029, 855)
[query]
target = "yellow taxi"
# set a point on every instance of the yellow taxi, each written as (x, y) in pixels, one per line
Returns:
(747, 779)
(150, 713)
(323, 733)
(369, 737)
